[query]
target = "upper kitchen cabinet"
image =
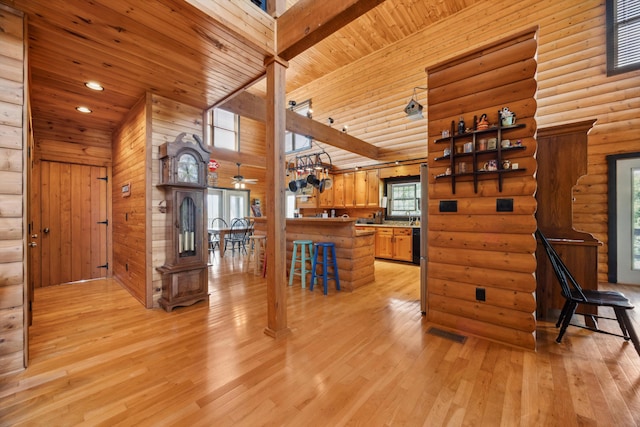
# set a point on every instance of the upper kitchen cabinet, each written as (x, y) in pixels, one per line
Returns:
(338, 191)
(349, 189)
(367, 189)
(325, 198)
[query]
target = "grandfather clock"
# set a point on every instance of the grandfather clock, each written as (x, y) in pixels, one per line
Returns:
(184, 180)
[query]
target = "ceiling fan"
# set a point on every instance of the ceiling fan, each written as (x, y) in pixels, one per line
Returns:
(239, 180)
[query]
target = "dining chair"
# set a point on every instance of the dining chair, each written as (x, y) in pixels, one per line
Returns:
(214, 236)
(575, 295)
(237, 236)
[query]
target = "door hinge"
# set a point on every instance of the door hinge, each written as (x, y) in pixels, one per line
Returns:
(104, 266)
(105, 222)
(104, 178)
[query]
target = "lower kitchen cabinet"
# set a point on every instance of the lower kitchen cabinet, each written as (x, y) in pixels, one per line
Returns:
(394, 243)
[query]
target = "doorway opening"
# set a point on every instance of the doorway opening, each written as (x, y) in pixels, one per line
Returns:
(624, 218)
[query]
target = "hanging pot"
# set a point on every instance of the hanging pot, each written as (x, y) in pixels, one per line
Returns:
(293, 186)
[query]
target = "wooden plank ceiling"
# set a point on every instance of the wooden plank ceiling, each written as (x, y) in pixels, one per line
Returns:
(176, 50)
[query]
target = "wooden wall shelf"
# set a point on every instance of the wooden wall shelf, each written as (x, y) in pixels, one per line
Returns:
(474, 156)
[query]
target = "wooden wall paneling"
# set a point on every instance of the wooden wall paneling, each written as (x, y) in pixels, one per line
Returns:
(90, 153)
(129, 214)
(465, 87)
(13, 131)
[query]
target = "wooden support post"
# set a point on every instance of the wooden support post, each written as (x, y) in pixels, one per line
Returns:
(275, 206)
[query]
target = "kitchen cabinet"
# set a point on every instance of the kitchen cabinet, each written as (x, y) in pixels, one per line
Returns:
(359, 189)
(394, 243)
(367, 189)
(348, 185)
(308, 198)
(373, 188)
(384, 243)
(338, 190)
(325, 199)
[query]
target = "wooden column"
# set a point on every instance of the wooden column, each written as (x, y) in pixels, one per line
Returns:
(275, 207)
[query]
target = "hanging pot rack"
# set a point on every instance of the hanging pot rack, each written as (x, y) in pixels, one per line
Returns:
(308, 163)
(304, 169)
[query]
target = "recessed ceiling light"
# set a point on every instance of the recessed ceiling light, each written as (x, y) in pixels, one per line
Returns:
(94, 85)
(85, 110)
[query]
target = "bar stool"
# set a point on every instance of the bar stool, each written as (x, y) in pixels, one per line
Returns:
(257, 247)
(304, 245)
(326, 247)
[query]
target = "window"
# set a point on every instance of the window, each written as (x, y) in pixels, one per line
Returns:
(224, 129)
(293, 141)
(403, 198)
(262, 4)
(623, 36)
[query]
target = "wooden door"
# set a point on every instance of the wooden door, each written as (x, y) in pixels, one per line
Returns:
(72, 225)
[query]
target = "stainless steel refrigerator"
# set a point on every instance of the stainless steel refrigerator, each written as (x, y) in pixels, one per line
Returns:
(424, 220)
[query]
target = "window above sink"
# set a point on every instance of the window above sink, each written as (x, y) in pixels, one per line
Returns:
(403, 198)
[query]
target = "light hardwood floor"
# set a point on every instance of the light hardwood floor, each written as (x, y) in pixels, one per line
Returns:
(363, 358)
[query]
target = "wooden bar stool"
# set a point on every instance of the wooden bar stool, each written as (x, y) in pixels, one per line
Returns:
(257, 247)
(326, 248)
(301, 270)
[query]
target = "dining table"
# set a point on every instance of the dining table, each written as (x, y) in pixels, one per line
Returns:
(222, 232)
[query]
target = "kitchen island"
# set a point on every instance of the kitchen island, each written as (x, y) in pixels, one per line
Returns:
(354, 248)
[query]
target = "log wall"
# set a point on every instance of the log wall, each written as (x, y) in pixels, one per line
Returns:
(369, 95)
(13, 131)
(478, 247)
(131, 219)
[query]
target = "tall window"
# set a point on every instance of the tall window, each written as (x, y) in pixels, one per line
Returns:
(293, 141)
(623, 36)
(225, 129)
(403, 198)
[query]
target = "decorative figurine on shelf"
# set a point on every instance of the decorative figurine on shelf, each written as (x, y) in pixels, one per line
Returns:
(483, 123)
(507, 117)
(461, 127)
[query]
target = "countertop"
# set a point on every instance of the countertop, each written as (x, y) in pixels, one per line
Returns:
(338, 219)
(389, 224)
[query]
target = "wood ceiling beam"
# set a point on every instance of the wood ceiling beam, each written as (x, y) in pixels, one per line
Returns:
(252, 106)
(309, 21)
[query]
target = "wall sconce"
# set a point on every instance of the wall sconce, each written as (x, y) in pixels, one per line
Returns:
(345, 128)
(413, 110)
(162, 206)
